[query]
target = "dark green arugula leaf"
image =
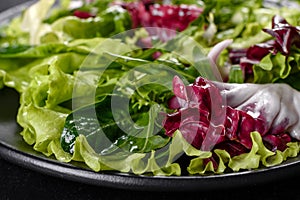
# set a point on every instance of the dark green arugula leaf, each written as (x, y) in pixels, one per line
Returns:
(97, 123)
(40, 51)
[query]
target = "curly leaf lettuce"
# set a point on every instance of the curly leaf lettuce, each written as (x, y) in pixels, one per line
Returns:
(271, 68)
(46, 84)
(141, 163)
(258, 155)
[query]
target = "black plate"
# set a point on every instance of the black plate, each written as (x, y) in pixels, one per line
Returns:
(15, 150)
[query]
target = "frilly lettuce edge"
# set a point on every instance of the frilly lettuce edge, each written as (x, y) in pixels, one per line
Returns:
(148, 163)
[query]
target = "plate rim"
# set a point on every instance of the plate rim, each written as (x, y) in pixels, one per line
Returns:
(120, 180)
(9, 13)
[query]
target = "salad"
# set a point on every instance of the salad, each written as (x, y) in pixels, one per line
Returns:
(179, 87)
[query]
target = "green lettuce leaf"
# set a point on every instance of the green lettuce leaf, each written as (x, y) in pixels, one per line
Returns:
(166, 161)
(41, 51)
(109, 23)
(271, 68)
(32, 20)
(236, 75)
(258, 156)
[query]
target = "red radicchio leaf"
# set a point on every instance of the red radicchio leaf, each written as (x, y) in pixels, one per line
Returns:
(285, 36)
(166, 16)
(214, 159)
(179, 88)
(235, 55)
(193, 117)
(170, 17)
(277, 142)
(234, 148)
(82, 14)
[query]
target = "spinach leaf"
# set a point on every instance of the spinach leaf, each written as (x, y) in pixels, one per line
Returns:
(96, 122)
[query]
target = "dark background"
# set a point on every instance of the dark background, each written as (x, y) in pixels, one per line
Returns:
(17, 182)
